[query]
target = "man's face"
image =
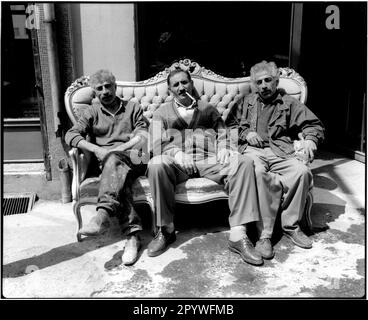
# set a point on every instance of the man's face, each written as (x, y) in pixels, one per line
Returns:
(265, 84)
(105, 91)
(179, 85)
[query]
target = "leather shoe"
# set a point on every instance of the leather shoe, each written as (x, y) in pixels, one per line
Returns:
(245, 249)
(264, 247)
(298, 237)
(98, 224)
(132, 247)
(160, 242)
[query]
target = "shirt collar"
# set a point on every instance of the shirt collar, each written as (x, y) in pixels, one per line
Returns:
(121, 107)
(192, 106)
(277, 97)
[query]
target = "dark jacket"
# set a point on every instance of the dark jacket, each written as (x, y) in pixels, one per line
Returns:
(290, 118)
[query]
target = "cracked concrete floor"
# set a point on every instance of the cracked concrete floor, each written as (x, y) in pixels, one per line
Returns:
(41, 258)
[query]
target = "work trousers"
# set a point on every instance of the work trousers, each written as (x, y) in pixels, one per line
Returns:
(238, 177)
(275, 176)
(115, 192)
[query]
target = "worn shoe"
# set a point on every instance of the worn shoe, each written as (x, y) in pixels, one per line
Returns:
(160, 242)
(132, 247)
(246, 250)
(298, 238)
(97, 225)
(264, 247)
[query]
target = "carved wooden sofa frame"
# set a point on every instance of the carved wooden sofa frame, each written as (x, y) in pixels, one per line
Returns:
(220, 91)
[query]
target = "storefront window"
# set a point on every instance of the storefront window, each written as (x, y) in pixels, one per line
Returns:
(19, 96)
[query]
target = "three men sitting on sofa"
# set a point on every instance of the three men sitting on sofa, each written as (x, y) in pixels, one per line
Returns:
(267, 120)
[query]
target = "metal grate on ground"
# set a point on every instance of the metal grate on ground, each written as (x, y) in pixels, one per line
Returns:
(17, 203)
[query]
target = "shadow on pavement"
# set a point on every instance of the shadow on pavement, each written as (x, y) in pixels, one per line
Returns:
(58, 255)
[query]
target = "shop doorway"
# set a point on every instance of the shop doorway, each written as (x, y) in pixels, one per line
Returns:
(334, 64)
(226, 37)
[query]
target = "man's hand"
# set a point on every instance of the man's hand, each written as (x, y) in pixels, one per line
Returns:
(186, 161)
(254, 139)
(100, 152)
(310, 147)
(223, 156)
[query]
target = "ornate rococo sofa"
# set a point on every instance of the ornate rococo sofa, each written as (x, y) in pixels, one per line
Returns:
(220, 91)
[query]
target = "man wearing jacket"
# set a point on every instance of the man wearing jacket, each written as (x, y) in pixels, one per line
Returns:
(269, 121)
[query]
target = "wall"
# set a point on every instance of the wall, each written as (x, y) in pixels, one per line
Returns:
(104, 38)
(55, 142)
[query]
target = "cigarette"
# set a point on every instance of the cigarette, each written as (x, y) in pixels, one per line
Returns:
(189, 95)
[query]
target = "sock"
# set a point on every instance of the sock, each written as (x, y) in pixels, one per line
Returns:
(237, 233)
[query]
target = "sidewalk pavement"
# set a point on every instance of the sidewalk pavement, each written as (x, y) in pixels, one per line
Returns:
(42, 259)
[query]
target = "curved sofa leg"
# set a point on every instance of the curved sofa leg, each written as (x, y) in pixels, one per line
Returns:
(78, 216)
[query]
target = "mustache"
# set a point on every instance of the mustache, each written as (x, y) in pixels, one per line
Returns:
(187, 93)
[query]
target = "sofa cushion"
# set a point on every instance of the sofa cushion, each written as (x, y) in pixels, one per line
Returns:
(195, 190)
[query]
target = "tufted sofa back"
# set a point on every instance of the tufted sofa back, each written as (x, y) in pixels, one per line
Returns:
(220, 91)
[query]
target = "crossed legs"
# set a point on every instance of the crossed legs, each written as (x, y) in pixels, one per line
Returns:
(115, 199)
(164, 174)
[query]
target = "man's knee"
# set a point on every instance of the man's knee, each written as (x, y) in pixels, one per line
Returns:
(244, 165)
(303, 171)
(238, 164)
(159, 164)
(110, 161)
(301, 174)
(260, 170)
(246, 161)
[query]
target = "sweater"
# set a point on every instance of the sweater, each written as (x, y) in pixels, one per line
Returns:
(105, 129)
(202, 137)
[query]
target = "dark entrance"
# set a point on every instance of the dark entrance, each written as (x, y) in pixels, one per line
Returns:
(23, 141)
(334, 64)
(226, 37)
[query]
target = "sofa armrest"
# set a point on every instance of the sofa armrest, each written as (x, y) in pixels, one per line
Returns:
(80, 162)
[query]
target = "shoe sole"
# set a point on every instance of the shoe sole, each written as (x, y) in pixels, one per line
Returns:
(253, 262)
(297, 243)
(90, 234)
(266, 257)
(87, 234)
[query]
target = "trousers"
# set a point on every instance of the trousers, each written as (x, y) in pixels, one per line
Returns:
(115, 192)
(277, 177)
(238, 178)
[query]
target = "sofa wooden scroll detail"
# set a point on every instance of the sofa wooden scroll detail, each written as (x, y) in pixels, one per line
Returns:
(221, 92)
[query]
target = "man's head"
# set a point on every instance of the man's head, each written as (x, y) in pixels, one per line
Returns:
(265, 78)
(103, 84)
(179, 82)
